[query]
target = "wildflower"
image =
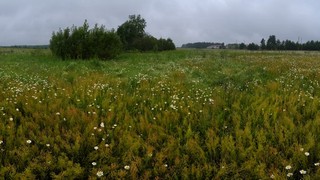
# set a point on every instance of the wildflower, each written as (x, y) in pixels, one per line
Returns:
(301, 149)
(94, 163)
(289, 174)
(317, 164)
(302, 171)
(307, 153)
(165, 165)
(48, 145)
(272, 176)
(57, 113)
(99, 173)
(126, 167)
(1, 142)
(17, 109)
(29, 141)
(11, 119)
(107, 145)
(288, 167)
(102, 124)
(96, 148)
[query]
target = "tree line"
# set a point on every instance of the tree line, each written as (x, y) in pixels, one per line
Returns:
(200, 45)
(98, 42)
(273, 43)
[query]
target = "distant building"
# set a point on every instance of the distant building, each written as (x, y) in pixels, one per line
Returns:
(216, 46)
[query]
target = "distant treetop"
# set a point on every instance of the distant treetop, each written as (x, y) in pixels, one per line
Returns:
(203, 45)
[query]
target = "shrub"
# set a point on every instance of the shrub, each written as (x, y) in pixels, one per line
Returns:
(84, 43)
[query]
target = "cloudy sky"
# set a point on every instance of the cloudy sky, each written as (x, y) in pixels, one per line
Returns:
(33, 21)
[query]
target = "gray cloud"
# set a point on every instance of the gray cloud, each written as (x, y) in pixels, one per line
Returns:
(33, 21)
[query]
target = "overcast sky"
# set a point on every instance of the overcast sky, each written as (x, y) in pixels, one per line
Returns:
(230, 21)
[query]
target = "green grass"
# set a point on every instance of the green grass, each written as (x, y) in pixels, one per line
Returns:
(185, 114)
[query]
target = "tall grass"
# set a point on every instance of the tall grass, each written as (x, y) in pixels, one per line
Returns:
(184, 114)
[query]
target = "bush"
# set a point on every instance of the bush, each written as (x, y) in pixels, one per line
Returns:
(84, 43)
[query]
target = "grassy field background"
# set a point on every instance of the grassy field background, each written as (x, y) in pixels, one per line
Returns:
(185, 114)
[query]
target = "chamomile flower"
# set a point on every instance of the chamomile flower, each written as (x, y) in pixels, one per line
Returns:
(100, 173)
(303, 171)
(289, 174)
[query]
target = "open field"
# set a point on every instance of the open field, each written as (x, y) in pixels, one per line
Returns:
(185, 114)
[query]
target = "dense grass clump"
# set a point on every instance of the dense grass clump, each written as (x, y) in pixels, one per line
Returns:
(186, 114)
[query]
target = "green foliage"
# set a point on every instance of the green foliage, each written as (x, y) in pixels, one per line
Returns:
(203, 45)
(271, 43)
(185, 114)
(132, 30)
(253, 46)
(84, 43)
(134, 37)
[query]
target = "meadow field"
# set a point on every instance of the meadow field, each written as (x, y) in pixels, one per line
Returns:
(184, 114)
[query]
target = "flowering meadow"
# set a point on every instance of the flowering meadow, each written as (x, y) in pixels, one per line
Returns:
(184, 114)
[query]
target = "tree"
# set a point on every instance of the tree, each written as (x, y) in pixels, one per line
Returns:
(263, 44)
(166, 44)
(146, 43)
(272, 43)
(131, 30)
(84, 43)
(242, 46)
(290, 45)
(253, 46)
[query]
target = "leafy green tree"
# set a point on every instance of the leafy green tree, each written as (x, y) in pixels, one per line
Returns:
(263, 44)
(166, 44)
(290, 45)
(146, 43)
(242, 46)
(253, 46)
(131, 31)
(272, 43)
(84, 43)
(104, 44)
